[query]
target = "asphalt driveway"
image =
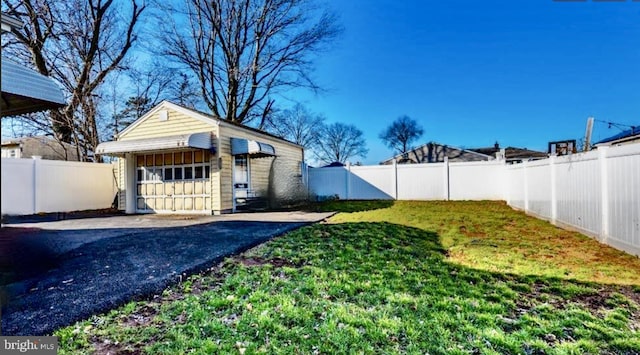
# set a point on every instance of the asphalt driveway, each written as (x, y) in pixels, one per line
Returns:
(55, 273)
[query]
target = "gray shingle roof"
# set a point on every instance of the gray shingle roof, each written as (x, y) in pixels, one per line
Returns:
(25, 90)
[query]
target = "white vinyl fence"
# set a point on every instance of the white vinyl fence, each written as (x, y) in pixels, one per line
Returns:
(597, 193)
(437, 181)
(31, 186)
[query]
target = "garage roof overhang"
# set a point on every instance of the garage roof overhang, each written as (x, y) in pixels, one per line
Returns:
(241, 146)
(25, 90)
(193, 140)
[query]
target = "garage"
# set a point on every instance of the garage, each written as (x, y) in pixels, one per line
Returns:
(173, 182)
(177, 160)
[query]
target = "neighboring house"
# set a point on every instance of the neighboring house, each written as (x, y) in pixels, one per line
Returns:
(625, 137)
(25, 90)
(39, 146)
(433, 152)
(512, 155)
(177, 160)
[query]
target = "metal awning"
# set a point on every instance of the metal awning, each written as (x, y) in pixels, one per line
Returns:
(25, 90)
(193, 140)
(246, 146)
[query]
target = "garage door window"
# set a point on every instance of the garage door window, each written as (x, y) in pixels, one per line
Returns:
(193, 165)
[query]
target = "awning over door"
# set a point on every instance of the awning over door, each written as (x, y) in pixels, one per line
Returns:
(246, 146)
(194, 140)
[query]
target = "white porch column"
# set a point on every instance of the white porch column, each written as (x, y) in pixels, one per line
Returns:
(130, 183)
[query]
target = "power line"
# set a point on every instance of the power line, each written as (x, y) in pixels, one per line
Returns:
(620, 126)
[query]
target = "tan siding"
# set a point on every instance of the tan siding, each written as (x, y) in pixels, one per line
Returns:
(177, 123)
(260, 168)
(277, 178)
(122, 185)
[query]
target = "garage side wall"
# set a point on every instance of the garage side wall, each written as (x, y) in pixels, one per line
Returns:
(278, 178)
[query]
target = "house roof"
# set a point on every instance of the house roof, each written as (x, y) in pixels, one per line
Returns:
(630, 133)
(43, 139)
(205, 117)
(25, 90)
(511, 152)
(401, 155)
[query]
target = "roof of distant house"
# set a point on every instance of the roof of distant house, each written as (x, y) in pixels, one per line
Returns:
(511, 153)
(44, 139)
(632, 132)
(398, 156)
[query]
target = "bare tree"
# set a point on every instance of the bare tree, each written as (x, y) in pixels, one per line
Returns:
(297, 124)
(401, 133)
(78, 43)
(184, 92)
(338, 142)
(242, 52)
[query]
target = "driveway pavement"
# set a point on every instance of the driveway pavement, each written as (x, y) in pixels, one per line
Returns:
(55, 273)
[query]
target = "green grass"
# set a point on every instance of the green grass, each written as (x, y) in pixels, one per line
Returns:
(408, 277)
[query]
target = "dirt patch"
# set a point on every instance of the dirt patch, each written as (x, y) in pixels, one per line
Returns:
(108, 348)
(595, 302)
(277, 262)
(474, 233)
(143, 316)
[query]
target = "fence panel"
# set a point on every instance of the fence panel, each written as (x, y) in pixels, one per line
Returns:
(476, 181)
(328, 182)
(372, 182)
(422, 181)
(578, 192)
(515, 186)
(18, 194)
(538, 192)
(623, 185)
(32, 186)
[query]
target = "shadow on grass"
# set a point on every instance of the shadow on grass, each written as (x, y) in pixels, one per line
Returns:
(349, 206)
(404, 271)
(370, 288)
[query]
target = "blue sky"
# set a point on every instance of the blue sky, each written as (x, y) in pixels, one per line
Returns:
(520, 72)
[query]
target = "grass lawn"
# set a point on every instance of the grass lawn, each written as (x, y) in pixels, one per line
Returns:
(403, 277)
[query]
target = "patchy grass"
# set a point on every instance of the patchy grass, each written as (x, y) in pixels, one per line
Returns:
(491, 236)
(397, 279)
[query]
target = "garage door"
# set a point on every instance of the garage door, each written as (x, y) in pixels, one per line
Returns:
(173, 182)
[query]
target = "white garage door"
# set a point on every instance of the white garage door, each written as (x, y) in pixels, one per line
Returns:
(173, 182)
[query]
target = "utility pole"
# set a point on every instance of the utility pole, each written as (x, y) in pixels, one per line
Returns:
(587, 135)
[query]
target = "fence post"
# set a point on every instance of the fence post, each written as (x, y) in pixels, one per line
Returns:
(36, 161)
(447, 187)
(604, 192)
(554, 189)
(348, 181)
(526, 186)
(395, 179)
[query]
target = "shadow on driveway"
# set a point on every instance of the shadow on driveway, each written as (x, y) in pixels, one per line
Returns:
(53, 287)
